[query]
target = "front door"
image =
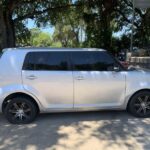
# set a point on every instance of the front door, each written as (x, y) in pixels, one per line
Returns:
(49, 77)
(96, 85)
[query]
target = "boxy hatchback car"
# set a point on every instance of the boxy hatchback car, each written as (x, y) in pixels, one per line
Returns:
(34, 80)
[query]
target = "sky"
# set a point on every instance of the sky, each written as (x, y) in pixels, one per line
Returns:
(31, 24)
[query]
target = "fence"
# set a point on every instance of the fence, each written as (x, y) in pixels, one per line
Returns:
(143, 62)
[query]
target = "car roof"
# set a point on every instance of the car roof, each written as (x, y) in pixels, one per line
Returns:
(53, 49)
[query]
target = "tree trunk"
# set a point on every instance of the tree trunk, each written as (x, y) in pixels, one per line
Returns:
(109, 8)
(7, 34)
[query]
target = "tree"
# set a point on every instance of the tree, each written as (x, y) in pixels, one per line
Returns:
(13, 14)
(68, 27)
(99, 19)
(40, 39)
(105, 17)
(99, 16)
(141, 22)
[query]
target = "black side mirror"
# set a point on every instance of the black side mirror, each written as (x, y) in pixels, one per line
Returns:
(116, 68)
(113, 68)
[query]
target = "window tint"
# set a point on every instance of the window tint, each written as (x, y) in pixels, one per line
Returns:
(47, 61)
(103, 61)
(82, 61)
(92, 61)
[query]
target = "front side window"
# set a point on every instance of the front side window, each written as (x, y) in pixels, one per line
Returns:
(92, 61)
(103, 61)
(47, 61)
(82, 61)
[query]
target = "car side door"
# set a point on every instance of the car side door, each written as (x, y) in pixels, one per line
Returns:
(96, 84)
(48, 75)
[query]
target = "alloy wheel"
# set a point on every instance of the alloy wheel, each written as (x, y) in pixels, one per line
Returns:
(142, 105)
(20, 111)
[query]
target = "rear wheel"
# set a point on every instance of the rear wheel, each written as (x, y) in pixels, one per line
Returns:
(20, 110)
(139, 105)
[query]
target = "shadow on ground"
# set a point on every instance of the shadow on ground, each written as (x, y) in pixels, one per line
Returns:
(77, 131)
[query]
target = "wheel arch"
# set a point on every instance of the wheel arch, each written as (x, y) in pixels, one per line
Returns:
(141, 90)
(13, 95)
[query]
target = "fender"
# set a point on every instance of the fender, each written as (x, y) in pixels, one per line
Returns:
(42, 99)
(131, 90)
(17, 88)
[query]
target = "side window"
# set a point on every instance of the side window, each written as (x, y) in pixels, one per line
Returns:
(82, 61)
(92, 61)
(29, 62)
(103, 61)
(47, 61)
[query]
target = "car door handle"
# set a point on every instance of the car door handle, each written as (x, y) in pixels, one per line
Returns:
(31, 77)
(80, 78)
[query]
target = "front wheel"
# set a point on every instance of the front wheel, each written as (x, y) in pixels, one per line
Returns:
(139, 104)
(20, 110)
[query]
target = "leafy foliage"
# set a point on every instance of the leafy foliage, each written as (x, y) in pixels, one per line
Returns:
(78, 23)
(68, 27)
(40, 39)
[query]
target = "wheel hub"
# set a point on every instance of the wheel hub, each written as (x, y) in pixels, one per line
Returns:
(143, 105)
(20, 113)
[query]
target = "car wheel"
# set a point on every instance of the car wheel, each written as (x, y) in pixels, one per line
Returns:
(20, 110)
(139, 104)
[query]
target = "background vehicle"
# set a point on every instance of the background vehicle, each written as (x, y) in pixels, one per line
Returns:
(55, 80)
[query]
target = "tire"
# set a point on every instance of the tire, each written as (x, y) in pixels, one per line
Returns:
(139, 105)
(20, 110)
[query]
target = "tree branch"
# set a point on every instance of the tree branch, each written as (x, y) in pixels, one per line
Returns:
(21, 2)
(125, 18)
(34, 13)
(130, 4)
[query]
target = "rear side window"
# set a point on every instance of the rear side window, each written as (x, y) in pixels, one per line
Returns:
(92, 61)
(47, 61)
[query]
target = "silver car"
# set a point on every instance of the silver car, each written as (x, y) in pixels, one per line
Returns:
(38, 80)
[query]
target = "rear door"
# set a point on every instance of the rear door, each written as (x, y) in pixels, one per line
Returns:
(48, 74)
(96, 84)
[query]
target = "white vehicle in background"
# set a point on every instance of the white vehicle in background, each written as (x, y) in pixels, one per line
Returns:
(38, 80)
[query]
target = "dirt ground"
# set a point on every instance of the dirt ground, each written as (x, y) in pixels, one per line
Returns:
(113, 130)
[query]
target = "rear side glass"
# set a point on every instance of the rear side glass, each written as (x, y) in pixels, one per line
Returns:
(47, 61)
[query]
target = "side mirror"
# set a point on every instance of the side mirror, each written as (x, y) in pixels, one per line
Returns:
(116, 68)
